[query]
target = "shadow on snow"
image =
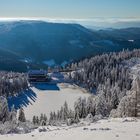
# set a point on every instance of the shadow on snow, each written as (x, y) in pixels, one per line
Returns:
(23, 99)
(46, 86)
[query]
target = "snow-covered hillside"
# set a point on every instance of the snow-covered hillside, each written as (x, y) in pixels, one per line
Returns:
(91, 118)
(134, 66)
(111, 129)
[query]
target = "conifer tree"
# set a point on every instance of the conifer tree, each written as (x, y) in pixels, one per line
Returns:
(21, 117)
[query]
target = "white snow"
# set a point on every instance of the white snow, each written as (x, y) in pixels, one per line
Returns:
(131, 40)
(26, 60)
(111, 129)
(52, 100)
(134, 65)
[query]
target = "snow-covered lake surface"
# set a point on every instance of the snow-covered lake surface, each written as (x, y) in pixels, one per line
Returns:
(49, 98)
(111, 129)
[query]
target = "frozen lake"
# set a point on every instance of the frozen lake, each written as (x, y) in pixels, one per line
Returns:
(44, 98)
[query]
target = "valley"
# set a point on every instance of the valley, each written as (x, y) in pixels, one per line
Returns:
(69, 69)
(39, 44)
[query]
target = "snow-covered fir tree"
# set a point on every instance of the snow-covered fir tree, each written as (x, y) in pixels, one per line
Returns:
(4, 111)
(21, 116)
(12, 83)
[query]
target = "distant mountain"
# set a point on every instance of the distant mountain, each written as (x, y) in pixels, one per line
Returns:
(122, 34)
(117, 23)
(36, 44)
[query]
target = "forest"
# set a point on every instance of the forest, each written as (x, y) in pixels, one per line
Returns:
(114, 93)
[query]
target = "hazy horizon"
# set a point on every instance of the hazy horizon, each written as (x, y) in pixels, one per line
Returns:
(69, 9)
(101, 22)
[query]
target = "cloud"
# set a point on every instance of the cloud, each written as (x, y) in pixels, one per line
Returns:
(96, 21)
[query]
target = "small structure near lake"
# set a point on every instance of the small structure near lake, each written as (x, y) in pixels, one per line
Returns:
(38, 76)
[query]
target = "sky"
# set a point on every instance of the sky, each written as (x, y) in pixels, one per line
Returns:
(70, 9)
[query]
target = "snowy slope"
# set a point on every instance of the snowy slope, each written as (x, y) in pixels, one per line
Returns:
(134, 66)
(112, 129)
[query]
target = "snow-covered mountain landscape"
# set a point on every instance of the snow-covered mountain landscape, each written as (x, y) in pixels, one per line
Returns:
(69, 107)
(69, 69)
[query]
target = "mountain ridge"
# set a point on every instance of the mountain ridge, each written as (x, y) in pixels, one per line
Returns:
(37, 43)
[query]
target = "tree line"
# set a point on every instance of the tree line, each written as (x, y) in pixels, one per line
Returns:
(12, 83)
